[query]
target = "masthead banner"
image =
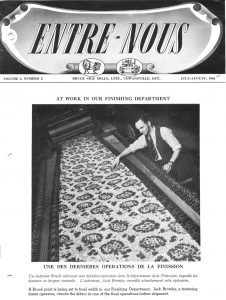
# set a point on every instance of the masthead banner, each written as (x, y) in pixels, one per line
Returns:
(130, 42)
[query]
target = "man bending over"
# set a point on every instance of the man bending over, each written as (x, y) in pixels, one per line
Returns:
(163, 146)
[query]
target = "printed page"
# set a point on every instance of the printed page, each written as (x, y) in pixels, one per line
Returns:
(112, 129)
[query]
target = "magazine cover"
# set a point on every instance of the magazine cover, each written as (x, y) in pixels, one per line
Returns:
(112, 128)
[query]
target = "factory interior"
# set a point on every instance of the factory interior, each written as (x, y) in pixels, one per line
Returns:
(83, 210)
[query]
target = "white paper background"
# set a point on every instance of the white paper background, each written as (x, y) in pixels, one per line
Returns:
(15, 150)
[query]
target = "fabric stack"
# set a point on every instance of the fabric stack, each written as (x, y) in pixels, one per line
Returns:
(71, 124)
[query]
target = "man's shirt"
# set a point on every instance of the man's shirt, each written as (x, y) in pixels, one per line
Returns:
(167, 136)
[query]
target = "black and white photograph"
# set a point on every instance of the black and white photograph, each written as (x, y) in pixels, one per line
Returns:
(115, 183)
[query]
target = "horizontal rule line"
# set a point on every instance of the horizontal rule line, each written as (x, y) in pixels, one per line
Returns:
(78, 82)
(115, 82)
